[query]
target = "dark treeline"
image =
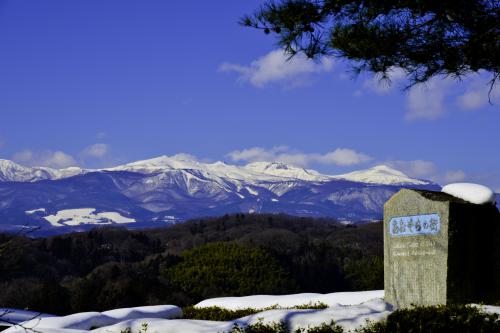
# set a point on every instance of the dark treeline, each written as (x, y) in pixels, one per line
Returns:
(228, 256)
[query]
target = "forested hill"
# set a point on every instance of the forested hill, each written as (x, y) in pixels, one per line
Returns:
(228, 256)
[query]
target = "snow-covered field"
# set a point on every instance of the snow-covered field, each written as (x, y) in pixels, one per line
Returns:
(348, 309)
(83, 216)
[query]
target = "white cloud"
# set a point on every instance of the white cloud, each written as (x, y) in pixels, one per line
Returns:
(415, 168)
(340, 156)
(453, 176)
(423, 101)
(98, 150)
(428, 170)
(475, 95)
(47, 158)
(98, 155)
(471, 100)
(432, 99)
(343, 157)
(277, 66)
(255, 154)
(185, 157)
(426, 100)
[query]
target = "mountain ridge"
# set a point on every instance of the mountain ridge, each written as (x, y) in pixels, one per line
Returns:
(168, 190)
(379, 174)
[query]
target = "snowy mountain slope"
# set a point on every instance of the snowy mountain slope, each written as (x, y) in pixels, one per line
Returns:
(381, 174)
(168, 190)
(283, 170)
(11, 171)
(251, 173)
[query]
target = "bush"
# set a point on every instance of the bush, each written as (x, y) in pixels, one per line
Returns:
(365, 273)
(324, 328)
(220, 314)
(281, 327)
(227, 269)
(215, 313)
(261, 328)
(441, 318)
(34, 294)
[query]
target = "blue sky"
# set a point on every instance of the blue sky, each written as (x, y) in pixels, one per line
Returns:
(97, 83)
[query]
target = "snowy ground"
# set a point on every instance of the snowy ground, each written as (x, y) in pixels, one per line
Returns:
(349, 310)
(73, 217)
(288, 301)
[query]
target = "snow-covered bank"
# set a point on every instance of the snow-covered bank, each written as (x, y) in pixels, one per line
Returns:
(8, 316)
(288, 301)
(347, 316)
(348, 309)
(85, 321)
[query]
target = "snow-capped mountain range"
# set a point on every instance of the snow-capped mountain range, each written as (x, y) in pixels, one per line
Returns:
(253, 172)
(171, 189)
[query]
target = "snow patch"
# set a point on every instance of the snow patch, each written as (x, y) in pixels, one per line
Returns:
(490, 308)
(251, 191)
(473, 193)
(73, 217)
(30, 212)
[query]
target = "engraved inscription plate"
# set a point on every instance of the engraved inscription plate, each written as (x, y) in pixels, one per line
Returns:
(428, 224)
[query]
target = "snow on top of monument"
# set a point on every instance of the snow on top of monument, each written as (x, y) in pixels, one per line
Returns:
(473, 193)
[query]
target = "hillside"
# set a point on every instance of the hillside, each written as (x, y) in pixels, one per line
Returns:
(253, 254)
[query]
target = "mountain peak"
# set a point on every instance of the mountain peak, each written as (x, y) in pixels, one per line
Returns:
(9, 163)
(382, 174)
(262, 165)
(281, 169)
(159, 163)
(383, 168)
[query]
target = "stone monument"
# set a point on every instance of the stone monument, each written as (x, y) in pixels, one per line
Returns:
(439, 249)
